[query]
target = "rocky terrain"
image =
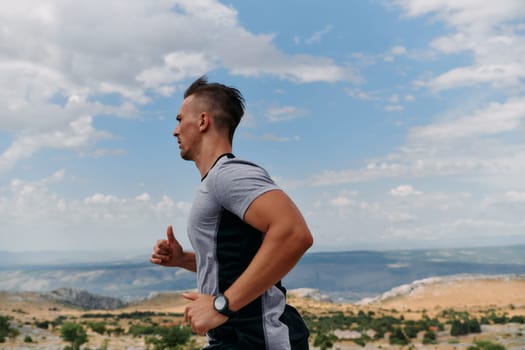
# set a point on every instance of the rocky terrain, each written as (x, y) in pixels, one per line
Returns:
(85, 300)
(38, 316)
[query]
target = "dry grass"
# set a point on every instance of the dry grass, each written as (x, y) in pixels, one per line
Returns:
(502, 296)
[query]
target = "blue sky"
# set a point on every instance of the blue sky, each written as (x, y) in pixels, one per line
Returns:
(392, 124)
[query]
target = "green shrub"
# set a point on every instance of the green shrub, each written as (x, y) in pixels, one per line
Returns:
(59, 320)
(173, 336)
(473, 325)
(517, 319)
(383, 325)
(324, 340)
(362, 340)
(465, 326)
(411, 329)
(499, 319)
(398, 337)
(458, 328)
(6, 330)
(73, 333)
(429, 337)
(98, 327)
(42, 324)
(116, 331)
(138, 330)
(486, 345)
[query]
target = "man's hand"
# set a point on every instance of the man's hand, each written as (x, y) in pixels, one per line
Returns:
(200, 313)
(167, 252)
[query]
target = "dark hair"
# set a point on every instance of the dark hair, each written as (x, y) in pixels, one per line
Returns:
(226, 103)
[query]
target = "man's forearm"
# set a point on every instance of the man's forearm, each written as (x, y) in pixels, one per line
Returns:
(188, 262)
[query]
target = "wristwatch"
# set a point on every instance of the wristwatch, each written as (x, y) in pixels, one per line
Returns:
(220, 304)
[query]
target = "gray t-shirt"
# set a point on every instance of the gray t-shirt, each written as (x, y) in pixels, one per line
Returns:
(225, 245)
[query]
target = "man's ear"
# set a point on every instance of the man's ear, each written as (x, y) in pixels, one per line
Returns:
(204, 121)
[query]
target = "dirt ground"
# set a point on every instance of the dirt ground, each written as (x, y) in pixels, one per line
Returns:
(474, 296)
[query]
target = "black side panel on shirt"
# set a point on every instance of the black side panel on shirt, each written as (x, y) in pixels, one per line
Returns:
(237, 244)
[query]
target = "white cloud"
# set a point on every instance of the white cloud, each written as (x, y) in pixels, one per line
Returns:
(515, 196)
(509, 202)
(398, 50)
(79, 134)
(497, 74)
(465, 13)
(400, 217)
(370, 220)
(401, 234)
(496, 118)
(100, 220)
(404, 191)
(98, 59)
(394, 98)
(143, 197)
(177, 66)
(362, 95)
(395, 51)
(279, 114)
(100, 198)
(341, 202)
(317, 36)
(393, 108)
(465, 146)
(299, 68)
(490, 33)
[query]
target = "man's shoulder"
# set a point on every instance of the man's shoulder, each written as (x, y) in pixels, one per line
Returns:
(238, 164)
(239, 161)
(236, 169)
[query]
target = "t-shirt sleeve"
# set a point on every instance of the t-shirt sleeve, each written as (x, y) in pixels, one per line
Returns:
(237, 184)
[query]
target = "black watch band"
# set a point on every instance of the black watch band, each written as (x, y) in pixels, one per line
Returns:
(221, 305)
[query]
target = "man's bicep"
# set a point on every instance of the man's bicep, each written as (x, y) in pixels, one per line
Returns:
(272, 208)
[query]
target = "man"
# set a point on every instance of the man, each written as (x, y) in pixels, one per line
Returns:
(247, 234)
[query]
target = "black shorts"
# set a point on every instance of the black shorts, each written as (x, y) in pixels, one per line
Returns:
(247, 334)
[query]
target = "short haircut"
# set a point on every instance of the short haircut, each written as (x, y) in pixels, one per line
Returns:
(225, 103)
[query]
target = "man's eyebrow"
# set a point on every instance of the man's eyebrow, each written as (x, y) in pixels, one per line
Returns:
(178, 117)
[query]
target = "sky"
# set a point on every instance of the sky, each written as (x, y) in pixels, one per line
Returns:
(392, 124)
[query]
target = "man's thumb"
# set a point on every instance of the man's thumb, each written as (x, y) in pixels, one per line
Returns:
(190, 295)
(169, 233)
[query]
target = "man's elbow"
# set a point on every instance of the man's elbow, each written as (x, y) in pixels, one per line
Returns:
(306, 239)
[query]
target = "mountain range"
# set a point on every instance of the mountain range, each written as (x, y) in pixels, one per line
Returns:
(343, 276)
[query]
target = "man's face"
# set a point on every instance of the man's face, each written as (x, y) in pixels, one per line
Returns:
(187, 130)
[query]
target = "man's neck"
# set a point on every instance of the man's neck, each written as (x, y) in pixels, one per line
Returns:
(208, 159)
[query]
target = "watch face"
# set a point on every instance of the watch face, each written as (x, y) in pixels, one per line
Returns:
(220, 303)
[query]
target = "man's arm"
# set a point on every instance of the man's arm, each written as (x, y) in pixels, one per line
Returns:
(169, 252)
(286, 239)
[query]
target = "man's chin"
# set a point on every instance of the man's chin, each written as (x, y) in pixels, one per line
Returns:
(185, 156)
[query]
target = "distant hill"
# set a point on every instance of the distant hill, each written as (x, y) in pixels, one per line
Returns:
(37, 316)
(345, 276)
(84, 300)
(357, 274)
